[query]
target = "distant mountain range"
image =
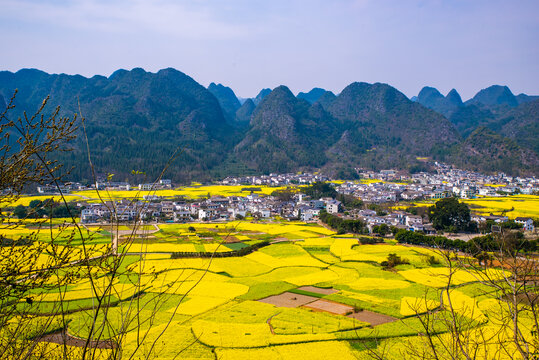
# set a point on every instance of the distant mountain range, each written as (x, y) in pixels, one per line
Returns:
(516, 117)
(136, 119)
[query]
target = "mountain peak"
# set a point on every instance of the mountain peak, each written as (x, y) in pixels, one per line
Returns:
(379, 97)
(454, 97)
(227, 100)
(243, 114)
(326, 99)
(312, 96)
(261, 95)
(495, 95)
(282, 89)
(428, 95)
(280, 97)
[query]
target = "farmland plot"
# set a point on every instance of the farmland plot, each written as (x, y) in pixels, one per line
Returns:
(312, 296)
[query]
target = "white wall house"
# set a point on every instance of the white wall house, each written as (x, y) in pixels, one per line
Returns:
(527, 223)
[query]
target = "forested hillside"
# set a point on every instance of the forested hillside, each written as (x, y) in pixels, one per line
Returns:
(136, 120)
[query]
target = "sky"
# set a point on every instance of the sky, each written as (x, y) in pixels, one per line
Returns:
(253, 44)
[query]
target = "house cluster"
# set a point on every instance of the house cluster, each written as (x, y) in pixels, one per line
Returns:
(390, 186)
(398, 219)
(526, 222)
(445, 182)
(213, 209)
(102, 184)
(276, 179)
(228, 208)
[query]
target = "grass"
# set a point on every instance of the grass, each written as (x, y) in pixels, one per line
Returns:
(302, 321)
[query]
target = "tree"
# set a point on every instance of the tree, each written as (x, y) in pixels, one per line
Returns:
(27, 147)
(284, 194)
(381, 229)
(449, 213)
(350, 201)
(28, 159)
(319, 190)
(393, 260)
(505, 270)
(57, 256)
(20, 211)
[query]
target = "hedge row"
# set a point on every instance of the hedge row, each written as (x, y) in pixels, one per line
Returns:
(474, 246)
(343, 226)
(234, 253)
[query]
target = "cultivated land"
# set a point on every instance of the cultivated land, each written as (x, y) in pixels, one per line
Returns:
(510, 206)
(309, 292)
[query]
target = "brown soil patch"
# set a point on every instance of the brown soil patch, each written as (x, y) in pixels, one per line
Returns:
(318, 290)
(281, 239)
(372, 317)
(288, 299)
(61, 337)
(329, 306)
(527, 299)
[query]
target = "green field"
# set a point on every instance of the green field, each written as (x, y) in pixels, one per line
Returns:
(207, 308)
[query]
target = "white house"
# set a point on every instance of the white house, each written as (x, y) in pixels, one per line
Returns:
(333, 206)
(527, 223)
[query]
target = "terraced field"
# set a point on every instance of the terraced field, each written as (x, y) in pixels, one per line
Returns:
(319, 295)
(192, 192)
(511, 206)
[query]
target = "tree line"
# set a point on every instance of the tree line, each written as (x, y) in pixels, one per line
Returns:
(516, 242)
(47, 208)
(343, 226)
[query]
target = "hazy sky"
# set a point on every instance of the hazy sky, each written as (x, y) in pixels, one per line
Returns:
(251, 44)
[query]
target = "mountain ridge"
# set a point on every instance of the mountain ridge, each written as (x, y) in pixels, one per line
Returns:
(136, 119)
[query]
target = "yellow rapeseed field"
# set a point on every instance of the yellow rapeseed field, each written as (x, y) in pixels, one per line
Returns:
(314, 278)
(314, 351)
(463, 304)
(512, 206)
(212, 303)
(26, 199)
(365, 283)
(411, 306)
(192, 192)
(438, 277)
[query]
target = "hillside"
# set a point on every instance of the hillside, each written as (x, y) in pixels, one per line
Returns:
(387, 118)
(227, 99)
(522, 125)
(312, 96)
(487, 151)
(326, 99)
(495, 107)
(494, 95)
(433, 99)
(285, 134)
(243, 114)
(135, 120)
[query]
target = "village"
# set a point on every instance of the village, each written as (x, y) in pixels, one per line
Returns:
(376, 190)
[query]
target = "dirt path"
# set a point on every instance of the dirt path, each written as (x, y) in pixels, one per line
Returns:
(62, 336)
(269, 323)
